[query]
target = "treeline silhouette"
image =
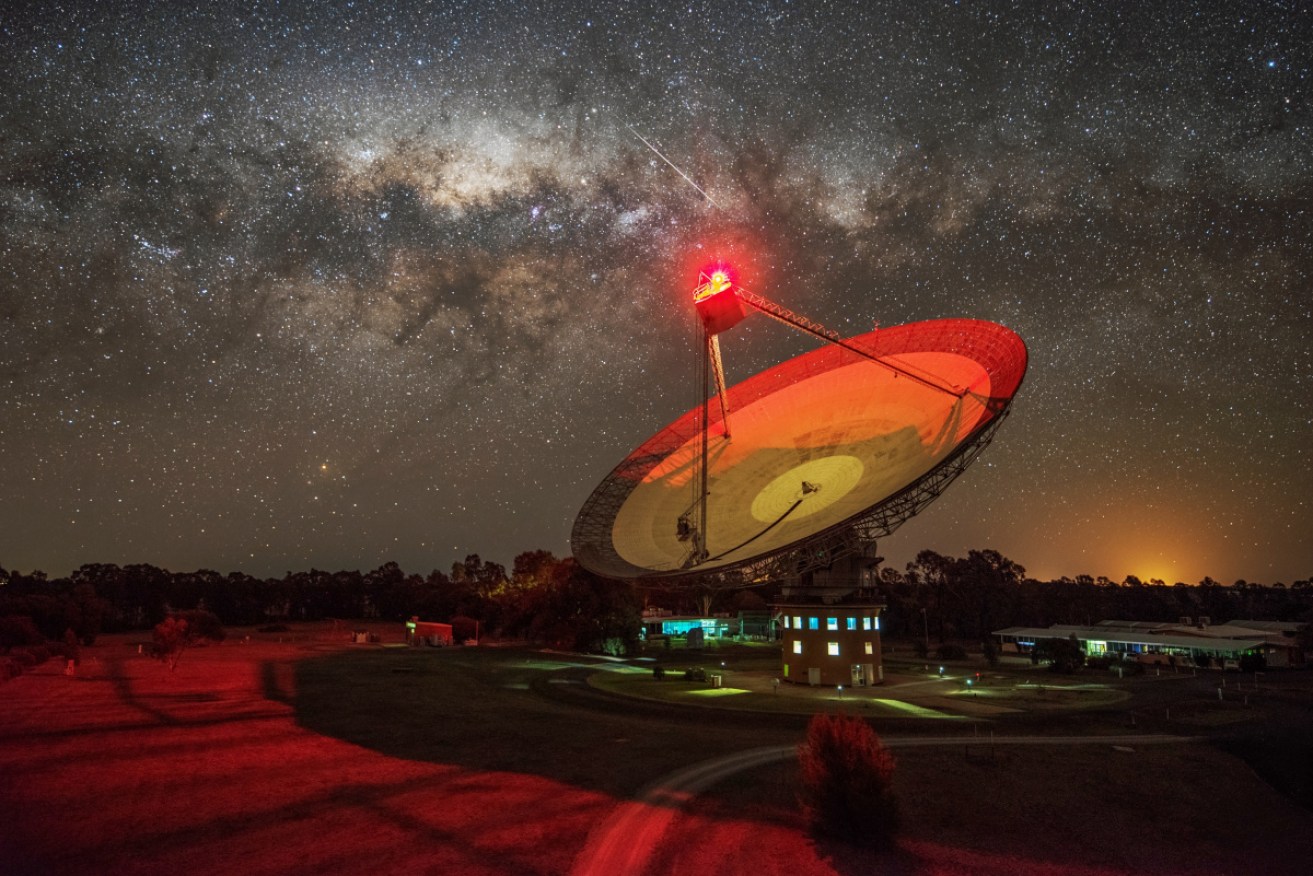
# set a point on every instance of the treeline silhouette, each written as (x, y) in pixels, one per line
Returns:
(542, 599)
(546, 599)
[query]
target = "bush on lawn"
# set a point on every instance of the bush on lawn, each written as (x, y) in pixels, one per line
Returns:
(846, 785)
(1252, 663)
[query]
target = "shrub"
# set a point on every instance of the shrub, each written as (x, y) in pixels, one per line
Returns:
(1131, 667)
(464, 629)
(846, 784)
(950, 652)
(32, 655)
(1252, 663)
(179, 631)
(17, 631)
(202, 625)
(696, 674)
(658, 672)
(1064, 655)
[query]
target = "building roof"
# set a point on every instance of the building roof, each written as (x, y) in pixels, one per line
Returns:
(1267, 626)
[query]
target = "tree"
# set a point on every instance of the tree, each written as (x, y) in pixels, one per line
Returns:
(929, 575)
(586, 613)
(1064, 655)
(85, 612)
(988, 582)
(171, 640)
(181, 630)
(846, 783)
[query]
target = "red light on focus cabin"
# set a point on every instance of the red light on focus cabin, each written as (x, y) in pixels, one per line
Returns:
(717, 304)
(712, 280)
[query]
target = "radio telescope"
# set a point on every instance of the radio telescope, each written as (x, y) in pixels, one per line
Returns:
(804, 463)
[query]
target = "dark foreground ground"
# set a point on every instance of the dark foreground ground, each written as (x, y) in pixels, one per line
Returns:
(311, 756)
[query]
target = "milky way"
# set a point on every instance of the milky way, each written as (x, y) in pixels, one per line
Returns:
(322, 285)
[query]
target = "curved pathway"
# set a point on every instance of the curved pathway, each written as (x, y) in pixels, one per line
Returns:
(626, 840)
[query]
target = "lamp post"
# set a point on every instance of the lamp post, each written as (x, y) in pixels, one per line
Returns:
(925, 624)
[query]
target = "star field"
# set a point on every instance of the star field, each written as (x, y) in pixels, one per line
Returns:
(293, 285)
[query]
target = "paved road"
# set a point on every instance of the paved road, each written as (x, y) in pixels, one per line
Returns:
(625, 841)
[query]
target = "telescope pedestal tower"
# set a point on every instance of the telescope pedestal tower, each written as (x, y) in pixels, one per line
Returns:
(830, 622)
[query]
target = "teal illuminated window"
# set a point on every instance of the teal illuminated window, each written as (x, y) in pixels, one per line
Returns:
(832, 623)
(813, 623)
(852, 623)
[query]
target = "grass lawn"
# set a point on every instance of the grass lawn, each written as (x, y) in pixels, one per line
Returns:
(1028, 810)
(131, 769)
(312, 756)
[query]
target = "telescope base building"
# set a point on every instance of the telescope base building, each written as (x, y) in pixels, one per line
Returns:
(831, 639)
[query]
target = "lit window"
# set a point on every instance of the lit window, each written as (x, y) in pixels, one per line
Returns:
(786, 622)
(797, 646)
(866, 623)
(852, 623)
(877, 623)
(834, 649)
(797, 622)
(813, 623)
(869, 648)
(832, 623)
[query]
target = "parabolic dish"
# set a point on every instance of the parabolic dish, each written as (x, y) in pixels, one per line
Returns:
(816, 443)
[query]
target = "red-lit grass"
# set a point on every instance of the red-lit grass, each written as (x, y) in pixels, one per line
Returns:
(132, 769)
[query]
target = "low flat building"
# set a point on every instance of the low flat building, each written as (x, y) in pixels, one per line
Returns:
(1158, 642)
(658, 623)
(430, 633)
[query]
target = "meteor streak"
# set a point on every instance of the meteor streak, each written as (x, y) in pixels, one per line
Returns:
(676, 169)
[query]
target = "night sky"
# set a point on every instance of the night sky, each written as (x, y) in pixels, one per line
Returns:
(329, 284)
